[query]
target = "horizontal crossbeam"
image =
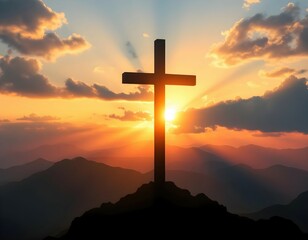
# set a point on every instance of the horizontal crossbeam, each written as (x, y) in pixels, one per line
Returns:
(153, 79)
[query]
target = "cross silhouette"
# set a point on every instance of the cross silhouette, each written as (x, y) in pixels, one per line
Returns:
(159, 79)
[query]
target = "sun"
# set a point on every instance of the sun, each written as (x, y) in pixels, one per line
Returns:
(170, 114)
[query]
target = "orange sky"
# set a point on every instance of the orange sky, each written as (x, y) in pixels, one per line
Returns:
(232, 61)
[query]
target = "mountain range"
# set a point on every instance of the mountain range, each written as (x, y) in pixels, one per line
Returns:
(53, 197)
(21, 172)
(139, 156)
(46, 202)
(244, 189)
(296, 210)
(51, 153)
(261, 157)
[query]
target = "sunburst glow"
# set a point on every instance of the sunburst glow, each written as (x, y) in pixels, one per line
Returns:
(170, 114)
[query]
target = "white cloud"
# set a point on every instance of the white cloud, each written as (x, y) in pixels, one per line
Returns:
(248, 3)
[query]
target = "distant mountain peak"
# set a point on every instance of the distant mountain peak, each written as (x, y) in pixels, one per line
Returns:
(76, 160)
(254, 146)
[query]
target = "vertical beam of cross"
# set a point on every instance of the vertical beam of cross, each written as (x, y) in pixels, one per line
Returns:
(159, 112)
(159, 79)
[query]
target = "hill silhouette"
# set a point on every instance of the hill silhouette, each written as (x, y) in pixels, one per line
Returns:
(175, 213)
(297, 211)
(54, 197)
(46, 202)
(177, 158)
(50, 152)
(20, 172)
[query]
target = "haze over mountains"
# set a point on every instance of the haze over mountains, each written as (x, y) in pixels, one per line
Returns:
(46, 202)
(52, 153)
(261, 157)
(139, 156)
(21, 172)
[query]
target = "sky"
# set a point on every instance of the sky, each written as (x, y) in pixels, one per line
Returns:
(61, 65)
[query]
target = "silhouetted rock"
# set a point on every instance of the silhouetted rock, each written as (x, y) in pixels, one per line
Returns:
(175, 213)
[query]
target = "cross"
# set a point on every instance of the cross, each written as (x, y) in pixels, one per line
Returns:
(159, 79)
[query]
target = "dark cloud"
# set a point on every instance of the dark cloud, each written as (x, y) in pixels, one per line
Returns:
(281, 110)
(21, 76)
(143, 93)
(131, 50)
(80, 89)
(133, 56)
(36, 118)
(269, 134)
(280, 72)
(261, 37)
(28, 18)
(25, 26)
(132, 116)
(49, 46)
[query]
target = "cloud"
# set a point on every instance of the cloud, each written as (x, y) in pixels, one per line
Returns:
(49, 46)
(282, 72)
(260, 37)
(282, 110)
(80, 89)
(248, 3)
(270, 134)
(143, 93)
(29, 18)
(36, 118)
(131, 50)
(133, 56)
(26, 27)
(21, 76)
(132, 116)
(4, 120)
